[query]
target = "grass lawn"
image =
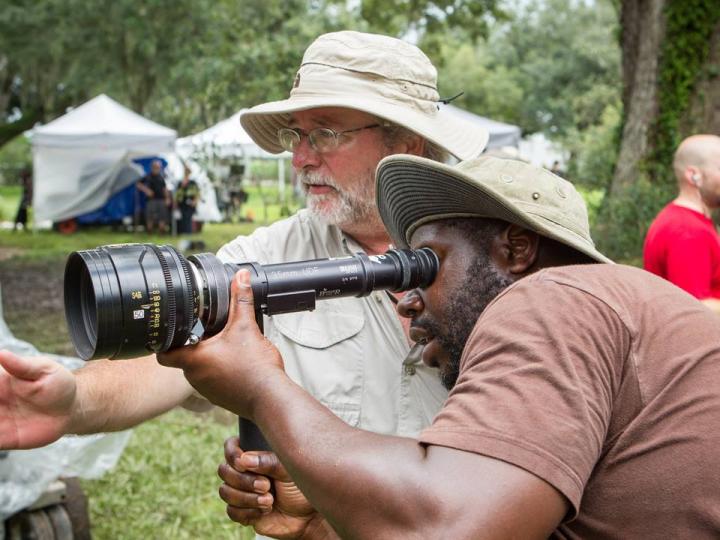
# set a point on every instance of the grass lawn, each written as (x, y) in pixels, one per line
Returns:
(9, 199)
(165, 485)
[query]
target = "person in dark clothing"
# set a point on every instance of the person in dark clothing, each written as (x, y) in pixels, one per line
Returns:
(25, 200)
(187, 196)
(153, 186)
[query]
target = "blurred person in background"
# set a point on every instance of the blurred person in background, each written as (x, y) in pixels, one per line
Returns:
(158, 198)
(682, 243)
(187, 196)
(21, 218)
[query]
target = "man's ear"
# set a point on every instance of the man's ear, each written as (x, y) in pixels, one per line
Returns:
(518, 249)
(411, 145)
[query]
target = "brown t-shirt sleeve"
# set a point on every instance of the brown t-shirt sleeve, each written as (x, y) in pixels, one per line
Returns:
(537, 381)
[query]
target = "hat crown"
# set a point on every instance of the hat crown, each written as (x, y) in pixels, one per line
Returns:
(373, 54)
(412, 191)
(385, 77)
(535, 191)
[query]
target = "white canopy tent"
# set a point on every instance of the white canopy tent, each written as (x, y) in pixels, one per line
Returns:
(227, 139)
(77, 157)
(501, 134)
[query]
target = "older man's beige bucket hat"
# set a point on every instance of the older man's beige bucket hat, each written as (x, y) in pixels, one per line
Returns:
(412, 191)
(379, 75)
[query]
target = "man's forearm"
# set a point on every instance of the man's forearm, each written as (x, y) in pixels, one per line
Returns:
(384, 491)
(113, 395)
(319, 529)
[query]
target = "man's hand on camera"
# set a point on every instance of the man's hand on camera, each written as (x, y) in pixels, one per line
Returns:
(234, 366)
(246, 490)
(36, 401)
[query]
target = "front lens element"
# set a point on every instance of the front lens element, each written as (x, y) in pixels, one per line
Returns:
(125, 301)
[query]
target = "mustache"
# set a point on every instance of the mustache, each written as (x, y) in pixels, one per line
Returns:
(430, 327)
(312, 178)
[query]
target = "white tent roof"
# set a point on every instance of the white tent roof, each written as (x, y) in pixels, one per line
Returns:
(501, 134)
(103, 119)
(225, 139)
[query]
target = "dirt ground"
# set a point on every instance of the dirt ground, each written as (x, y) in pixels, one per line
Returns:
(32, 300)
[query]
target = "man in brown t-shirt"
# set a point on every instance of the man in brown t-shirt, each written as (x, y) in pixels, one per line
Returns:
(584, 400)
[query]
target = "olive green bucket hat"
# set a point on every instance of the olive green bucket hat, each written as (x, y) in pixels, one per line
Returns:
(379, 75)
(412, 191)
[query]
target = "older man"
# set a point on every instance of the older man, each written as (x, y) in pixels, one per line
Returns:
(682, 244)
(355, 99)
(584, 397)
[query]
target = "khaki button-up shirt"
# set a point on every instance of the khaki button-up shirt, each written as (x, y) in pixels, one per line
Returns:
(350, 353)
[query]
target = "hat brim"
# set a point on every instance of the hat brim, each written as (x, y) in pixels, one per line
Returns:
(459, 137)
(412, 191)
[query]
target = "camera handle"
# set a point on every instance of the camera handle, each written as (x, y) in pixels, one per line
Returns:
(251, 438)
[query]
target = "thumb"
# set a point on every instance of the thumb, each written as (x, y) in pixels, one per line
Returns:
(29, 369)
(241, 315)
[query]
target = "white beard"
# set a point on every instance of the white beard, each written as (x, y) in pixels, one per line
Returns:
(341, 207)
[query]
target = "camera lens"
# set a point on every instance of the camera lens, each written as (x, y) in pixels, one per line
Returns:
(125, 301)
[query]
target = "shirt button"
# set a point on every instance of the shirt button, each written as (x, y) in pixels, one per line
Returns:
(409, 369)
(379, 297)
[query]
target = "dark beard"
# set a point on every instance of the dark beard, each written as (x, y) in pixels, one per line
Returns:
(465, 304)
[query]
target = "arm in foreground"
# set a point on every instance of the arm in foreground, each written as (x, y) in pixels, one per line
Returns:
(365, 485)
(40, 400)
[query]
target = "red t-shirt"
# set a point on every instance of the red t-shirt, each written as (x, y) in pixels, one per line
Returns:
(683, 247)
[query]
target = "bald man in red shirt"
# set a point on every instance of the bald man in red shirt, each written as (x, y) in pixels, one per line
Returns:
(682, 244)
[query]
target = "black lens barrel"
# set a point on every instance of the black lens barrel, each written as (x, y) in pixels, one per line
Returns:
(123, 301)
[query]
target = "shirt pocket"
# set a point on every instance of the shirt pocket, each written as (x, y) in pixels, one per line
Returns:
(323, 351)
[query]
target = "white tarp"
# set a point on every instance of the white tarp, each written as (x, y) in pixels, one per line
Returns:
(501, 134)
(76, 157)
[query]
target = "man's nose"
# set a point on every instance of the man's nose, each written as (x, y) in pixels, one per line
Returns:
(305, 155)
(410, 305)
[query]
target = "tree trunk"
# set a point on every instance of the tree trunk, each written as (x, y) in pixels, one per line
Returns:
(671, 89)
(703, 115)
(643, 29)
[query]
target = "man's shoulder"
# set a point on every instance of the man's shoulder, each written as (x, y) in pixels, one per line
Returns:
(301, 236)
(596, 279)
(620, 288)
(679, 220)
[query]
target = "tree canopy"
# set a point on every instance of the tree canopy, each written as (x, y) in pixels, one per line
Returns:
(617, 83)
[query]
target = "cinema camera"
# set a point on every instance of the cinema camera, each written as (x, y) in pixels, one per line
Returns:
(125, 301)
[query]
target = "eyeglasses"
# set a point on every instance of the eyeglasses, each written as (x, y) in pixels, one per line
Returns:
(321, 139)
